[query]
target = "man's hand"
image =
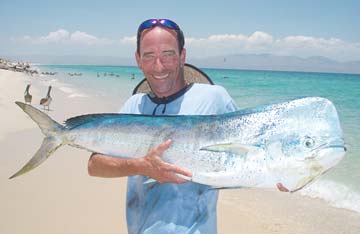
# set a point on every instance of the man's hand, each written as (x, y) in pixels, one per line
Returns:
(155, 167)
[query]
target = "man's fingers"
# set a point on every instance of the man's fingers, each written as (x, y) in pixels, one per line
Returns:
(179, 178)
(281, 187)
(178, 170)
(165, 172)
(181, 171)
(163, 146)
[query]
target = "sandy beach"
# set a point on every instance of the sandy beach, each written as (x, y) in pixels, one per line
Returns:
(60, 197)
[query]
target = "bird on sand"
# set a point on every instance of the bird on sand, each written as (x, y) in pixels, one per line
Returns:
(45, 102)
(27, 95)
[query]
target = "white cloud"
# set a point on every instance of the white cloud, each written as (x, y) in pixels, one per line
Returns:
(260, 38)
(226, 38)
(257, 38)
(65, 37)
(311, 46)
(215, 45)
(57, 36)
(310, 42)
(84, 38)
(128, 40)
(262, 42)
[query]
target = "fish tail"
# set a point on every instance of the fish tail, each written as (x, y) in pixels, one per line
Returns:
(48, 146)
(51, 142)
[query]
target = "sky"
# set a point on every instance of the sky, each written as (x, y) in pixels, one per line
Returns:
(212, 28)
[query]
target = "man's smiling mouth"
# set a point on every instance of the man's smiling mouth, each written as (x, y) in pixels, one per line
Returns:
(161, 76)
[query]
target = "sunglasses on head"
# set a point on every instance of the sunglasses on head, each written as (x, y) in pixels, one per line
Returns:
(157, 22)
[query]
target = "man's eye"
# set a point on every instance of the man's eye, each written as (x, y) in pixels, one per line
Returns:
(167, 56)
(148, 57)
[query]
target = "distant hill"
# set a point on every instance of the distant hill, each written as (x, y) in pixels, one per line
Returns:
(235, 61)
(278, 63)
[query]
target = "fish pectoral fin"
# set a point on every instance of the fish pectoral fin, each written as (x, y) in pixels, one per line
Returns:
(149, 181)
(234, 148)
(184, 177)
(226, 188)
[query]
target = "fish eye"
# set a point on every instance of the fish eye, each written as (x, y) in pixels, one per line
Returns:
(309, 142)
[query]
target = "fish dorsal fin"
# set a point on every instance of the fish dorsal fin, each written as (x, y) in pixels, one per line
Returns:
(81, 119)
(235, 148)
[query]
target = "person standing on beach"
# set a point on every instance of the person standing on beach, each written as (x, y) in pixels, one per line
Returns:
(173, 205)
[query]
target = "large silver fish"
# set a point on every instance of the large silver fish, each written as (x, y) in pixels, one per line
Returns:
(290, 143)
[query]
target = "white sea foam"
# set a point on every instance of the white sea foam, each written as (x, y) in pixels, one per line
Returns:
(72, 92)
(336, 194)
(74, 95)
(67, 89)
(62, 86)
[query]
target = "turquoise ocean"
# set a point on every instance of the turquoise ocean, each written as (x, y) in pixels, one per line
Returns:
(340, 187)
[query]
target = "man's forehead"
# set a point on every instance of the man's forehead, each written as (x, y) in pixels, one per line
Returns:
(158, 31)
(158, 39)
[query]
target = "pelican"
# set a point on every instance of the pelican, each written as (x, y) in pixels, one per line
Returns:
(45, 102)
(27, 95)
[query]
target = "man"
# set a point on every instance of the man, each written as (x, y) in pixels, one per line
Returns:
(173, 205)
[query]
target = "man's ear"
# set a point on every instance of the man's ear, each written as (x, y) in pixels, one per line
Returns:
(183, 57)
(138, 60)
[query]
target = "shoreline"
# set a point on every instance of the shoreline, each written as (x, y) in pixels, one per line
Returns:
(12, 87)
(60, 197)
(269, 211)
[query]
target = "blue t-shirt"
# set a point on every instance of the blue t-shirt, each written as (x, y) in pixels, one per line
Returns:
(175, 208)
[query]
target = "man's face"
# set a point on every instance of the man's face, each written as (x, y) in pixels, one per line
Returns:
(160, 61)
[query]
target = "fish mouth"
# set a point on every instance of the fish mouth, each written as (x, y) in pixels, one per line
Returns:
(323, 158)
(331, 145)
(336, 147)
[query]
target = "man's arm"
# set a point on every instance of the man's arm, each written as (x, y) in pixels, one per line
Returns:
(150, 165)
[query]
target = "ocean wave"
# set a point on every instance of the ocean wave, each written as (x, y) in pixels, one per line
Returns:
(336, 194)
(74, 95)
(63, 87)
(72, 92)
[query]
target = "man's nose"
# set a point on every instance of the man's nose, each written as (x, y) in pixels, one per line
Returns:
(158, 66)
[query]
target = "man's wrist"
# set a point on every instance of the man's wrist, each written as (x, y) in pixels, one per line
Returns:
(136, 166)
